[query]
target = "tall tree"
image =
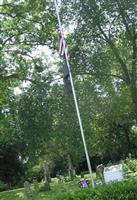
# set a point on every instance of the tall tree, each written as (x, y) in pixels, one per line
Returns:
(25, 26)
(106, 42)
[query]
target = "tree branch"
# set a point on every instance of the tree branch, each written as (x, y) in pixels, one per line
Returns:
(102, 74)
(113, 47)
(8, 39)
(8, 14)
(117, 55)
(16, 76)
(6, 4)
(122, 13)
(28, 43)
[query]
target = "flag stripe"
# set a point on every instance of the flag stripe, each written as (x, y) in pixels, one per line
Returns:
(60, 45)
(63, 48)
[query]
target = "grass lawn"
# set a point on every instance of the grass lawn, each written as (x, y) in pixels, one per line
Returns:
(125, 190)
(56, 188)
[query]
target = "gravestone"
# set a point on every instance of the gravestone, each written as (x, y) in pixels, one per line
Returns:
(27, 189)
(36, 186)
(59, 177)
(99, 172)
(47, 176)
(113, 173)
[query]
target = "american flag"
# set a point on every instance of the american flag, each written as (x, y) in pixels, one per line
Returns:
(63, 51)
(63, 48)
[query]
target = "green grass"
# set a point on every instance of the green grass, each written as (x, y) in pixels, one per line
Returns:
(64, 189)
(56, 188)
(12, 194)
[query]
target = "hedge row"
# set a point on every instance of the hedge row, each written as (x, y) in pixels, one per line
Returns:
(118, 191)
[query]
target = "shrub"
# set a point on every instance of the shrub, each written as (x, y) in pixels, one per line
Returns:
(3, 186)
(131, 164)
(116, 191)
(130, 168)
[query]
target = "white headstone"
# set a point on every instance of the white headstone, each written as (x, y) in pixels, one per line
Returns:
(113, 173)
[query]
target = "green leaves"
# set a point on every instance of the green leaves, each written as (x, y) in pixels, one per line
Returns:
(24, 26)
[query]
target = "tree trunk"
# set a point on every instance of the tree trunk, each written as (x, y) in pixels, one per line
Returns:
(133, 86)
(134, 99)
(126, 131)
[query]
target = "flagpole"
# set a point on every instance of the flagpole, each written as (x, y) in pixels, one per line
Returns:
(76, 103)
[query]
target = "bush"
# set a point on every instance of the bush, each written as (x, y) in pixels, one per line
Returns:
(130, 168)
(130, 165)
(3, 186)
(117, 191)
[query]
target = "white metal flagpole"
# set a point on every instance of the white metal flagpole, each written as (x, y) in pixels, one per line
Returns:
(76, 103)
